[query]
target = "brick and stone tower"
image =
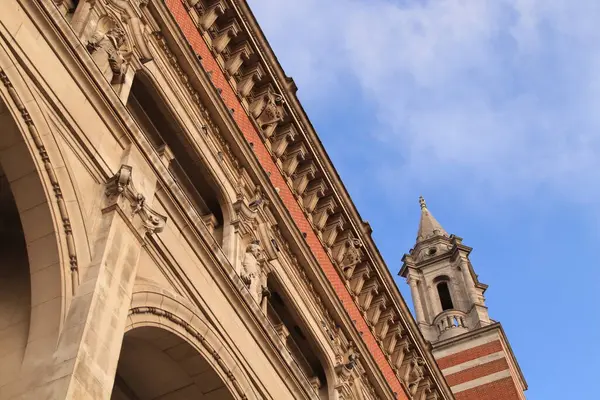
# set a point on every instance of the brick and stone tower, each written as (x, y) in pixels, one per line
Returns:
(471, 349)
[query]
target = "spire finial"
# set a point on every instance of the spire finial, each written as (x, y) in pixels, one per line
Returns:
(428, 225)
(422, 202)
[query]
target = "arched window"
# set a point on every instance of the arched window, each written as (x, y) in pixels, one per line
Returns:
(291, 329)
(444, 293)
(162, 129)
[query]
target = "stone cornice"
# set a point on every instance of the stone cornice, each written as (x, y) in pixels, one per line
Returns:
(230, 131)
(268, 85)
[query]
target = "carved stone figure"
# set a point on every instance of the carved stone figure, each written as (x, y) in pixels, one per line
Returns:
(108, 48)
(416, 374)
(252, 271)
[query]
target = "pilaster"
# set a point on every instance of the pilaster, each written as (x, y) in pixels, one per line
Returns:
(85, 361)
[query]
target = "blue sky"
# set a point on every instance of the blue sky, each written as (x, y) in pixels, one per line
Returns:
(491, 110)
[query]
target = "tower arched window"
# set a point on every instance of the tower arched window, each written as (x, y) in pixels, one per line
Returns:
(444, 294)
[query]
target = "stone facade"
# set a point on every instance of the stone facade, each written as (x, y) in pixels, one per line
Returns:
(471, 349)
(172, 227)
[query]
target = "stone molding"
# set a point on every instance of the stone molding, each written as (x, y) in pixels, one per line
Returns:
(51, 174)
(156, 302)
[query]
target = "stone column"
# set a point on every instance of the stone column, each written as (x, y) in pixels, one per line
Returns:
(85, 362)
(469, 283)
(414, 288)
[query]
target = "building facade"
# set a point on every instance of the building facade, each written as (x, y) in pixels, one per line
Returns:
(172, 227)
(470, 348)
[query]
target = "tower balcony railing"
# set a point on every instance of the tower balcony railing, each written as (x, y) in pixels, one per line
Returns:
(450, 319)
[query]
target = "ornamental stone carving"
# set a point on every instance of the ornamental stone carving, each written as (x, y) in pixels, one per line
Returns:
(267, 109)
(110, 50)
(415, 374)
(121, 191)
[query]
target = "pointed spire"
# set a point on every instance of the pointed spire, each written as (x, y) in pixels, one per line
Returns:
(428, 225)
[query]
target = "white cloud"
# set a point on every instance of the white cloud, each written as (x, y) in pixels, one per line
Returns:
(506, 92)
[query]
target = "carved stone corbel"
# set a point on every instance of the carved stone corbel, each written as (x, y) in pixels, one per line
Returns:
(239, 55)
(223, 36)
(208, 13)
(304, 173)
(325, 208)
(377, 307)
(383, 325)
(369, 291)
(250, 76)
(315, 190)
(245, 221)
(121, 191)
(293, 156)
(335, 225)
(361, 274)
(401, 349)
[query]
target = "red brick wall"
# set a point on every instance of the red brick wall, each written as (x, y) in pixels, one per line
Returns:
(503, 389)
(478, 371)
(231, 101)
(470, 354)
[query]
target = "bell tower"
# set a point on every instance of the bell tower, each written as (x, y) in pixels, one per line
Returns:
(470, 348)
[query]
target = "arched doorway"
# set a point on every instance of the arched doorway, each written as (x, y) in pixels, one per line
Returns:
(157, 364)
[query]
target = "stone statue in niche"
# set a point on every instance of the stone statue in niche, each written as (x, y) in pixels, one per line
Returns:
(252, 270)
(108, 47)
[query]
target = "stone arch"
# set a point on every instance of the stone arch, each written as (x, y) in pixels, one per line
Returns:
(152, 306)
(36, 303)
